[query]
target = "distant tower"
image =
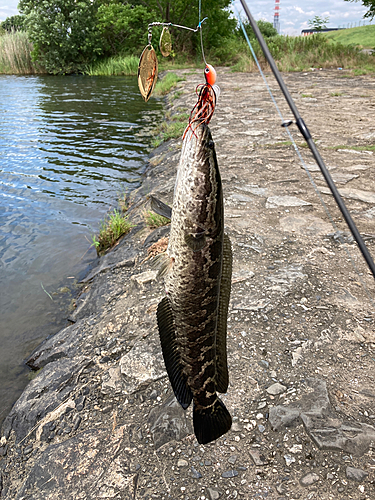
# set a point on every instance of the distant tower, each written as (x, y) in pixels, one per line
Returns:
(276, 19)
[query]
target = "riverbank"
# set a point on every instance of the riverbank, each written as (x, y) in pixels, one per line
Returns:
(99, 419)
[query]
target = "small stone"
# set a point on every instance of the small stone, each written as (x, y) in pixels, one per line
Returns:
(296, 448)
(232, 459)
(145, 277)
(262, 404)
(207, 463)
(3, 450)
(309, 479)
(289, 460)
(261, 428)
(182, 463)
(355, 474)
(77, 422)
(213, 494)
(107, 409)
(104, 359)
(28, 449)
(196, 474)
(258, 457)
(230, 473)
(276, 389)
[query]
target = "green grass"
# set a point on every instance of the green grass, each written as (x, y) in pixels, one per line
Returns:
(304, 52)
(114, 226)
(114, 66)
(167, 83)
(363, 36)
(155, 220)
(356, 148)
(172, 128)
(15, 54)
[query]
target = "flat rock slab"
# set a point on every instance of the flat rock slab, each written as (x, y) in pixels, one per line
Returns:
(326, 431)
(169, 422)
(285, 201)
(43, 395)
(353, 194)
(142, 365)
(91, 465)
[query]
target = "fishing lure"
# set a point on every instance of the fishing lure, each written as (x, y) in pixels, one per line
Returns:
(207, 96)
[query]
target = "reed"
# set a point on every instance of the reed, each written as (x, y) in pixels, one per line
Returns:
(15, 54)
(114, 66)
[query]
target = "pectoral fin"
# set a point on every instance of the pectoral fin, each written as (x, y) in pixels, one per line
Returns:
(195, 241)
(222, 378)
(160, 208)
(171, 355)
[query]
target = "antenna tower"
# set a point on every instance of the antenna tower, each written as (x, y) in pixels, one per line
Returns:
(276, 19)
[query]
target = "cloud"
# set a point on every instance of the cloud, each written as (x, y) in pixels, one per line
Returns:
(298, 9)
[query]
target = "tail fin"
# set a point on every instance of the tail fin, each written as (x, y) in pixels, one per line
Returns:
(212, 422)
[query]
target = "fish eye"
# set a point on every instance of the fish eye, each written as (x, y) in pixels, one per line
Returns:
(206, 70)
(211, 144)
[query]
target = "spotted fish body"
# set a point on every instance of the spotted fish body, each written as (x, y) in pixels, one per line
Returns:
(192, 318)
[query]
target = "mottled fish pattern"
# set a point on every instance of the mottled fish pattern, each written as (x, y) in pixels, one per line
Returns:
(192, 318)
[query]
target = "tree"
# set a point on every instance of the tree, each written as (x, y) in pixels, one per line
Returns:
(265, 28)
(122, 27)
(13, 23)
(63, 33)
(218, 27)
(370, 4)
(318, 23)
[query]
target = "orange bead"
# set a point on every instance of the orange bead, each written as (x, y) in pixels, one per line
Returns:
(210, 74)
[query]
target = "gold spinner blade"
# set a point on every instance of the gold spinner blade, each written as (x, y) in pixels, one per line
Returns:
(147, 72)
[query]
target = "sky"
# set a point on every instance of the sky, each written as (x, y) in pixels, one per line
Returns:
(294, 15)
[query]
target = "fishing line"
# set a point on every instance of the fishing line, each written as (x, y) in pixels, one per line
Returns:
(285, 124)
(200, 26)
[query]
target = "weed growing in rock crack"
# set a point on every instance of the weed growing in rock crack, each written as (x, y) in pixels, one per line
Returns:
(114, 226)
(171, 129)
(336, 94)
(155, 220)
(167, 83)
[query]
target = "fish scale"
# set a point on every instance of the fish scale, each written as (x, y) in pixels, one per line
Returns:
(192, 316)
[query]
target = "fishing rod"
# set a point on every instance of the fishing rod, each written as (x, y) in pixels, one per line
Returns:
(307, 136)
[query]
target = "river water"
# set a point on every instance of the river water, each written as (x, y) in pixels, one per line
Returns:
(68, 147)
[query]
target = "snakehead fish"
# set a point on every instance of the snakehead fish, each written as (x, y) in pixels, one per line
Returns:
(192, 318)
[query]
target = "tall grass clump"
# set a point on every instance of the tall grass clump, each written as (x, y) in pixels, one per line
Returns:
(302, 53)
(116, 65)
(112, 228)
(15, 54)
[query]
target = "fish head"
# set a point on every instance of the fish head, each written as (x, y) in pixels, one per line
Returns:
(198, 194)
(210, 74)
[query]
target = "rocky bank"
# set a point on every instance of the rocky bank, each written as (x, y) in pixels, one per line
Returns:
(99, 420)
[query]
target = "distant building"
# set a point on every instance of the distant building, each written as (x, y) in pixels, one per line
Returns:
(323, 30)
(276, 17)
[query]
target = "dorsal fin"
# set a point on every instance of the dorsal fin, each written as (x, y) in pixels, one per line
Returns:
(222, 379)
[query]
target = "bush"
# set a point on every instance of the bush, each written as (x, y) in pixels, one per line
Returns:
(63, 33)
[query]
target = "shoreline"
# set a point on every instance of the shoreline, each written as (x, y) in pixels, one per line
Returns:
(99, 420)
